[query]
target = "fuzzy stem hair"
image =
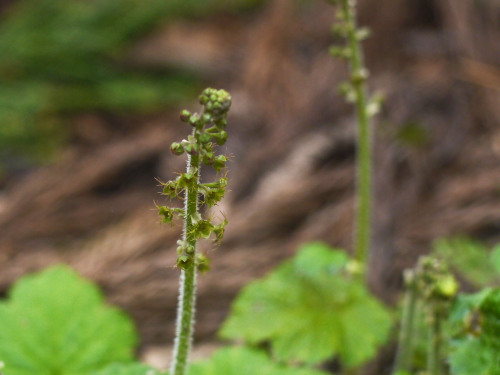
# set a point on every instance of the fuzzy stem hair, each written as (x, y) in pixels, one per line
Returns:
(187, 293)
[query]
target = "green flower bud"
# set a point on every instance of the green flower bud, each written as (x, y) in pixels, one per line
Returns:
(359, 76)
(224, 98)
(207, 118)
(177, 148)
(220, 162)
(194, 120)
(184, 180)
(363, 33)
(202, 263)
(204, 138)
(185, 115)
(204, 229)
(183, 261)
(208, 91)
(166, 213)
(184, 248)
(219, 231)
(170, 189)
(221, 123)
(222, 182)
(192, 148)
(203, 99)
(339, 30)
(342, 52)
(208, 158)
(221, 138)
(447, 286)
(213, 196)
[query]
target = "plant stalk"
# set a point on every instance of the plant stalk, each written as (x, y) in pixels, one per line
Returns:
(435, 343)
(406, 334)
(364, 143)
(186, 309)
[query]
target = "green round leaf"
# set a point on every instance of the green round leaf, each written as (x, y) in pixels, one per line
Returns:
(309, 310)
(55, 322)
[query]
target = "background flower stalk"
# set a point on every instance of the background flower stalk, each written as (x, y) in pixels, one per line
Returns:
(355, 91)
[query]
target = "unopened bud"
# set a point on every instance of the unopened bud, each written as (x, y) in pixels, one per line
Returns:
(203, 99)
(194, 119)
(177, 148)
(219, 162)
(204, 137)
(221, 138)
(185, 115)
(207, 118)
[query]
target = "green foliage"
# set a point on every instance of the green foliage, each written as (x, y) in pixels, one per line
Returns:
(238, 361)
(471, 259)
(57, 323)
(310, 309)
(128, 369)
(226, 361)
(464, 329)
(476, 343)
(60, 56)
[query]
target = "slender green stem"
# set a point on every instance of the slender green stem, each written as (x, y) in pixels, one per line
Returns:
(185, 315)
(208, 131)
(435, 343)
(406, 333)
(364, 144)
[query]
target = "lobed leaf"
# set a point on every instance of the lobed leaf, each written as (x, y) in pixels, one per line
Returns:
(310, 310)
(128, 369)
(55, 322)
(476, 319)
(238, 361)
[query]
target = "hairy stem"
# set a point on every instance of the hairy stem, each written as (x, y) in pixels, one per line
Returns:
(185, 313)
(208, 131)
(435, 343)
(406, 334)
(364, 144)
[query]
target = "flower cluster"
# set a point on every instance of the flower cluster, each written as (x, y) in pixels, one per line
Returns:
(346, 29)
(434, 283)
(209, 130)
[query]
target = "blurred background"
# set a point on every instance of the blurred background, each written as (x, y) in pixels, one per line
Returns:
(89, 99)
